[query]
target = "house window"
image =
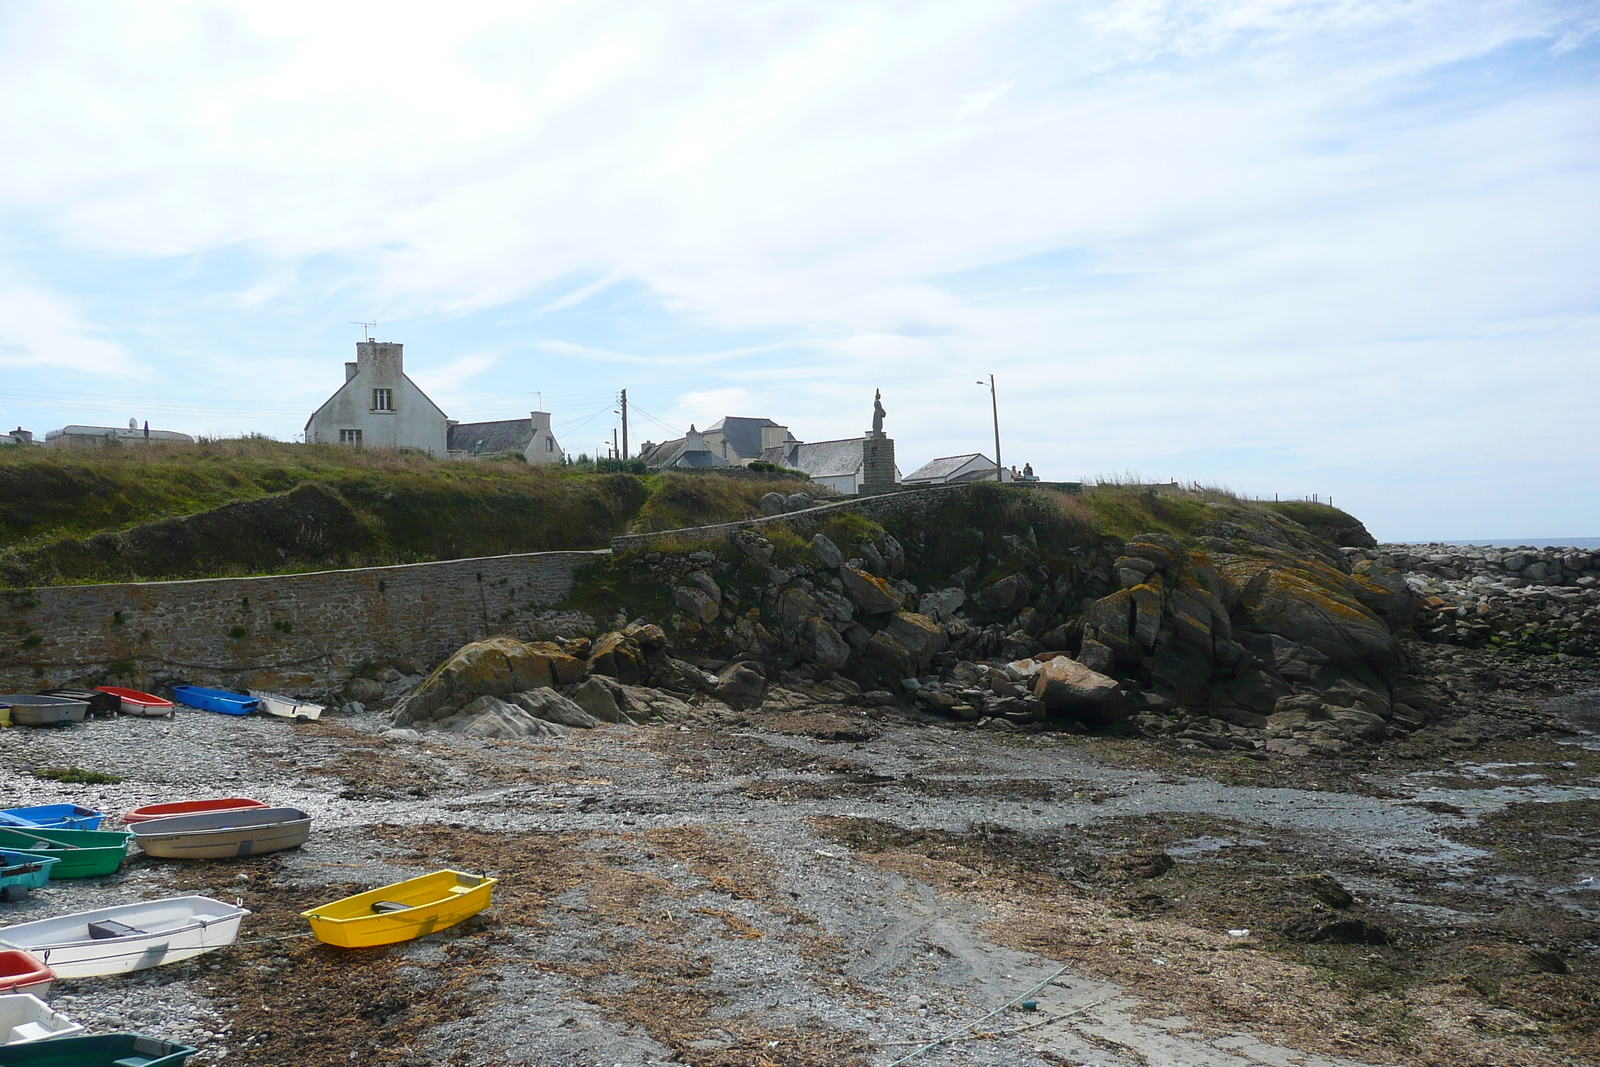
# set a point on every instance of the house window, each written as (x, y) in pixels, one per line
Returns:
(350, 437)
(382, 400)
(549, 444)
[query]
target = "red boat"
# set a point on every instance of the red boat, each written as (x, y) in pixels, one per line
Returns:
(137, 703)
(189, 807)
(22, 973)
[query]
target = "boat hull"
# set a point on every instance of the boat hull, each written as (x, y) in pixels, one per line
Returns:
(53, 817)
(188, 807)
(164, 931)
(83, 853)
(30, 710)
(224, 835)
(100, 1050)
(434, 902)
(22, 973)
(133, 702)
(218, 700)
(287, 707)
(23, 872)
(24, 1017)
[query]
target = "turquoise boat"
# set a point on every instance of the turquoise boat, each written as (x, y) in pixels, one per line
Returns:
(218, 700)
(83, 853)
(23, 872)
(101, 1050)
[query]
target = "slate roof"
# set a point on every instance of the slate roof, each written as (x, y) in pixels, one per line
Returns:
(938, 470)
(672, 454)
(743, 435)
(825, 459)
(488, 438)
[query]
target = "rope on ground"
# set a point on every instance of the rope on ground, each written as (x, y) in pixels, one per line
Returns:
(964, 1027)
(280, 937)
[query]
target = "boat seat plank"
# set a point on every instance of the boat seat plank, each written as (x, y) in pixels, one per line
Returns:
(382, 906)
(105, 928)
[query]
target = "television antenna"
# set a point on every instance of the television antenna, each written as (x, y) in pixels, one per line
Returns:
(366, 327)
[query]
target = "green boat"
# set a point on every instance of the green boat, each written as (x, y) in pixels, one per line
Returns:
(83, 853)
(102, 1050)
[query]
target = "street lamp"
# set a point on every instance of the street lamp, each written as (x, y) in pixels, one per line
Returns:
(995, 407)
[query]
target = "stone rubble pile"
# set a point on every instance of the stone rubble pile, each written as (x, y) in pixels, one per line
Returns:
(1534, 600)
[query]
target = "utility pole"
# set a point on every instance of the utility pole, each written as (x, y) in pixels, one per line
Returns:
(624, 424)
(614, 451)
(994, 406)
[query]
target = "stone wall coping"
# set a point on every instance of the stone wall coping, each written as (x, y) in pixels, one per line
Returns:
(387, 569)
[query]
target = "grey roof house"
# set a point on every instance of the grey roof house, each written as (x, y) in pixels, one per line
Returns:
(530, 437)
(972, 467)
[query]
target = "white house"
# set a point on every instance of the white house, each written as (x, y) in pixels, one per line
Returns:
(972, 467)
(379, 407)
(840, 465)
(531, 437)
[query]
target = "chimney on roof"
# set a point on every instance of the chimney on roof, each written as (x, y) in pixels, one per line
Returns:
(694, 441)
(541, 421)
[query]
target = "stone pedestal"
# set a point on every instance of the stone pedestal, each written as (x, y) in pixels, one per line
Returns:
(877, 463)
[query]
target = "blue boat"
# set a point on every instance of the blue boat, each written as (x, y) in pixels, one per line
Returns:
(53, 817)
(23, 872)
(218, 700)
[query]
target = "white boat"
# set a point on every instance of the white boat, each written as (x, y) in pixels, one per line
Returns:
(128, 937)
(287, 707)
(24, 1017)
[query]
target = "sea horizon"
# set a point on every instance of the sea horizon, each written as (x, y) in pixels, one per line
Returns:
(1526, 542)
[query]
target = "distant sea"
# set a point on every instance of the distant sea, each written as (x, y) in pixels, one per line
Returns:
(1536, 542)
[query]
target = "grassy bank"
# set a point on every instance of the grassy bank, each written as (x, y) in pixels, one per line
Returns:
(256, 506)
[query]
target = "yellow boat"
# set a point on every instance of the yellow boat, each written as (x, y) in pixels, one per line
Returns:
(402, 911)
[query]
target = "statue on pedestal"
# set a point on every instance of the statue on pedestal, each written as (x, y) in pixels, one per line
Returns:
(877, 411)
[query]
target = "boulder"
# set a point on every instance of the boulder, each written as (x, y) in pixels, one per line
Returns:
(598, 700)
(1147, 604)
(824, 646)
(1067, 686)
(619, 656)
(365, 690)
(496, 667)
(839, 608)
(491, 717)
(872, 595)
(551, 706)
(908, 644)
(1312, 604)
(1006, 595)
(1096, 656)
(754, 546)
(825, 552)
(1182, 670)
(1162, 550)
(772, 503)
(1110, 621)
(798, 502)
(565, 669)
(894, 555)
(696, 604)
(741, 686)
(941, 604)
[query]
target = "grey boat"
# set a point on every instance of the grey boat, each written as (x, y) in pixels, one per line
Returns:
(220, 835)
(30, 710)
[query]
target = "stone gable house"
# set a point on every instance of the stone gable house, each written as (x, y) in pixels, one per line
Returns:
(531, 437)
(379, 407)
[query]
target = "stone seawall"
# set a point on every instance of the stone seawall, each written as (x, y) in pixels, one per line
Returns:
(303, 632)
(1541, 601)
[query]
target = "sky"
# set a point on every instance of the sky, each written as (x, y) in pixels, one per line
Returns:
(1287, 247)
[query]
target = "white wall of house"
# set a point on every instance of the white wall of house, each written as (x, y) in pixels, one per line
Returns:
(379, 407)
(542, 447)
(848, 484)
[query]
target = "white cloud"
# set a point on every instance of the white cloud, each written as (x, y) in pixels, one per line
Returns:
(1296, 230)
(39, 329)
